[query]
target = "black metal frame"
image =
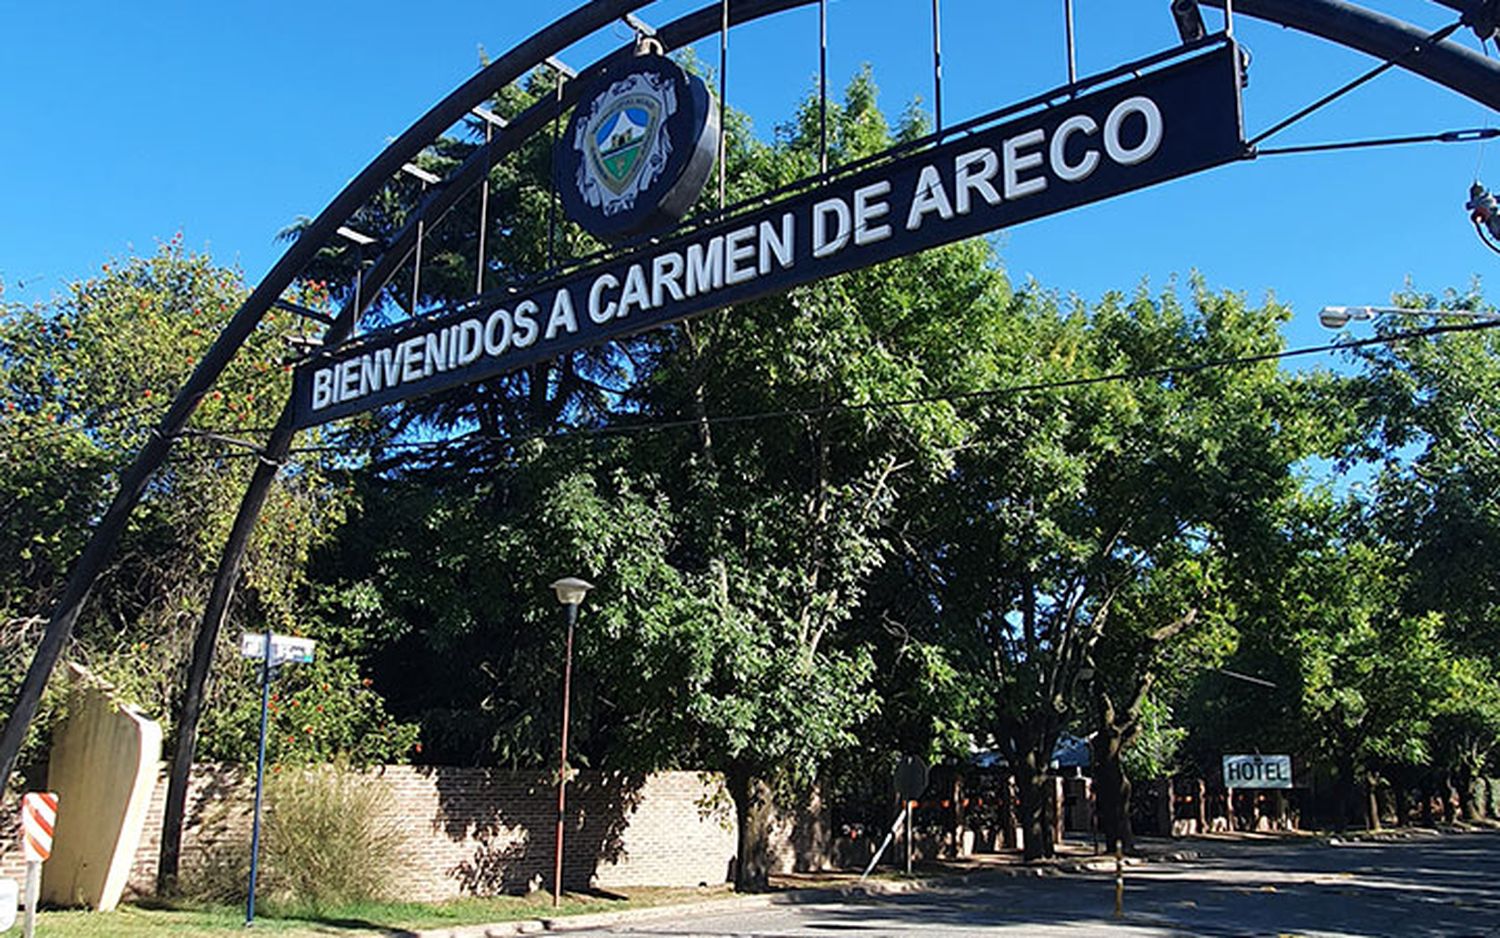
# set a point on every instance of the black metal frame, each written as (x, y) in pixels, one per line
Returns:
(1446, 63)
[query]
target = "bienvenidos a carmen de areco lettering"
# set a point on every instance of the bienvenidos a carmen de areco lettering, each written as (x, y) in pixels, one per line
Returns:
(1022, 166)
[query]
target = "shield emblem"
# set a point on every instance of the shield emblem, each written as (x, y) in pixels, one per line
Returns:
(621, 139)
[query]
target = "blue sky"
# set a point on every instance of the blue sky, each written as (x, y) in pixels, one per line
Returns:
(125, 123)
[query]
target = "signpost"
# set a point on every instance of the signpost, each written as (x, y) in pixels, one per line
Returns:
(38, 819)
(285, 649)
(911, 781)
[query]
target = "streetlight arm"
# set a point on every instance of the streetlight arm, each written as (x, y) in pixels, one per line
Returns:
(1337, 317)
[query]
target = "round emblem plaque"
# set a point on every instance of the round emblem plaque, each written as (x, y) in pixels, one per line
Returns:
(638, 150)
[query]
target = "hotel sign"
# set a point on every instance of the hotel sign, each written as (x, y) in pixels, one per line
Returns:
(1180, 119)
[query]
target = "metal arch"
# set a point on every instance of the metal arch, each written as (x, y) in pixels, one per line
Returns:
(101, 545)
(1447, 63)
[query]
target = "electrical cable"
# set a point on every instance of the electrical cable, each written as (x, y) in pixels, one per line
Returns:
(1163, 371)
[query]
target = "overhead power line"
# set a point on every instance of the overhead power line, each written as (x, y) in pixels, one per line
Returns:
(1164, 371)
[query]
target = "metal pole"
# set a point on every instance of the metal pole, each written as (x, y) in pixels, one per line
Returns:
(260, 778)
(1072, 59)
(484, 210)
(1229, 18)
(562, 764)
(823, 85)
(908, 837)
(1119, 881)
(32, 897)
(359, 276)
(416, 264)
(937, 66)
(723, 93)
(552, 178)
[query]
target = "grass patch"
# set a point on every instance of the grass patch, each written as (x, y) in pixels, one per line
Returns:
(356, 920)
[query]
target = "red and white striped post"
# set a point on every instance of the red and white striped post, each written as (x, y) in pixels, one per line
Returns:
(38, 818)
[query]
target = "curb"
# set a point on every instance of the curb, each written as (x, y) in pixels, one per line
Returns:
(567, 923)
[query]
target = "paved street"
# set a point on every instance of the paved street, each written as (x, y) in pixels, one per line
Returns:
(1440, 886)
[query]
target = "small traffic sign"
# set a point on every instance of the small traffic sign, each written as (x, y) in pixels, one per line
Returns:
(284, 648)
(911, 778)
(38, 818)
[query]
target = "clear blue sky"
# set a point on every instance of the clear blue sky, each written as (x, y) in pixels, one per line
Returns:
(124, 123)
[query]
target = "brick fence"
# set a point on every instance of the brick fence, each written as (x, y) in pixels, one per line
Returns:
(474, 831)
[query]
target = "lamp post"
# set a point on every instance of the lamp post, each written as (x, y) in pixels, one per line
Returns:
(1337, 317)
(570, 592)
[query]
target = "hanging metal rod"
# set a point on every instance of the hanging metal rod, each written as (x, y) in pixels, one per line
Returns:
(303, 311)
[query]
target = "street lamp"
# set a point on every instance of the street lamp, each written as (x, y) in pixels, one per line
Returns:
(1337, 317)
(570, 592)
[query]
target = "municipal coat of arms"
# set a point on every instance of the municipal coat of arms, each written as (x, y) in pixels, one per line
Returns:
(623, 141)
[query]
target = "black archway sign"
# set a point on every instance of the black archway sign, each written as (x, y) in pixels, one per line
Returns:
(1389, 40)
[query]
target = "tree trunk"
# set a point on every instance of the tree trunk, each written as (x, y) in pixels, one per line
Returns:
(1403, 803)
(752, 809)
(1372, 802)
(1036, 793)
(960, 816)
(1467, 809)
(1448, 798)
(1113, 791)
(1343, 794)
(1425, 789)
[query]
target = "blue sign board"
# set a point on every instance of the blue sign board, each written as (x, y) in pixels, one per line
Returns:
(1066, 151)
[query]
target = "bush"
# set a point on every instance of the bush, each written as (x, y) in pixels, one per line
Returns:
(330, 837)
(328, 840)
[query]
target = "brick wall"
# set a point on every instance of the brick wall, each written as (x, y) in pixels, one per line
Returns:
(479, 831)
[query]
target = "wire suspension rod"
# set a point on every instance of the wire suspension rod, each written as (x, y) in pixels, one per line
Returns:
(1344, 89)
(937, 65)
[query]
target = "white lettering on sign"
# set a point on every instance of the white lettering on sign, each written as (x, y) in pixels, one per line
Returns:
(1020, 166)
(1070, 153)
(1257, 771)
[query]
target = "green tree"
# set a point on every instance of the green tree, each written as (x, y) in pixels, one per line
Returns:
(82, 381)
(1104, 499)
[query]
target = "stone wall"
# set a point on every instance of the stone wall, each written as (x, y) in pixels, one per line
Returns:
(480, 831)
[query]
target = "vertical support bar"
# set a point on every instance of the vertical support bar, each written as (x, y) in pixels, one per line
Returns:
(552, 178)
(937, 65)
(723, 94)
(484, 210)
(359, 276)
(908, 836)
(1068, 29)
(32, 895)
(260, 778)
(823, 86)
(1119, 881)
(562, 765)
(416, 264)
(1229, 18)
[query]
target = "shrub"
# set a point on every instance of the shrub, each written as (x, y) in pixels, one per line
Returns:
(330, 837)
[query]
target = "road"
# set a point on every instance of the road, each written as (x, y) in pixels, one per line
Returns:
(1446, 885)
